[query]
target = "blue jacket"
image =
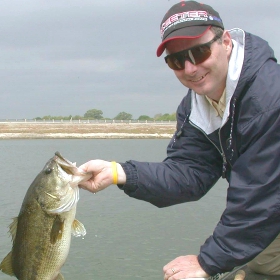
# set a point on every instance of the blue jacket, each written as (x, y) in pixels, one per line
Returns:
(244, 149)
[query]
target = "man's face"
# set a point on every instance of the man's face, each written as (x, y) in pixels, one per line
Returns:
(209, 77)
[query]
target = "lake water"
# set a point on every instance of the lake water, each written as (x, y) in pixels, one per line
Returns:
(126, 238)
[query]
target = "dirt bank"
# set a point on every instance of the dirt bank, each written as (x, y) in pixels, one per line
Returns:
(23, 130)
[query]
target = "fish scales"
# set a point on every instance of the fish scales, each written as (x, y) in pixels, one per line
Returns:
(41, 234)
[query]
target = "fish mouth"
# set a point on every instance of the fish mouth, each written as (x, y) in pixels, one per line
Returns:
(65, 164)
(71, 175)
(67, 177)
(70, 168)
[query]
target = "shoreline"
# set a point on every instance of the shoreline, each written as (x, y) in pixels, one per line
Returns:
(18, 130)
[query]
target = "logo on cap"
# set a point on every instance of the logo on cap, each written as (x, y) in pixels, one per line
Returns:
(189, 16)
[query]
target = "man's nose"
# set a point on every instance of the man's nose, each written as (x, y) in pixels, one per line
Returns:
(190, 68)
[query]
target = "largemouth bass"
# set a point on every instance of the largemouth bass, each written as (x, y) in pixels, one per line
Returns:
(41, 234)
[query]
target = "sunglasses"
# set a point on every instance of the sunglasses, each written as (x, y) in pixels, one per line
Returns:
(195, 55)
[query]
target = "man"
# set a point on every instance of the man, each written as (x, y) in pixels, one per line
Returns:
(228, 125)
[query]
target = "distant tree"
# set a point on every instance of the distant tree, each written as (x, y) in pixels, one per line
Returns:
(166, 117)
(47, 117)
(77, 117)
(94, 114)
(123, 116)
(157, 116)
(98, 115)
(145, 118)
(173, 117)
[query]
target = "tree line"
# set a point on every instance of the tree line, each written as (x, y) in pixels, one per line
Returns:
(95, 114)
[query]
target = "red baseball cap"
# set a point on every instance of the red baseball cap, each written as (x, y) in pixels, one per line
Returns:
(187, 19)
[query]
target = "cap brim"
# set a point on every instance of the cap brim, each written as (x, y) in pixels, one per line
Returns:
(190, 32)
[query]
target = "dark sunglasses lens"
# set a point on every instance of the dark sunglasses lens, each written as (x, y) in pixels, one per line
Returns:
(175, 62)
(201, 53)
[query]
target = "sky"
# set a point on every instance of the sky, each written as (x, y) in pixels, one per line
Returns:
(65, 57)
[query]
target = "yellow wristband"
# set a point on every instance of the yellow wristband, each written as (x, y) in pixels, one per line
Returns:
(115, 172)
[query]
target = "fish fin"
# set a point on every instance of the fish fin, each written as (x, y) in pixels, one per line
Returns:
(59, 277)
(78, 229)
(6, 265)
(57, 229)
(13, 228)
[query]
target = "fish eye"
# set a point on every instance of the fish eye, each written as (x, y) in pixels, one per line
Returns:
(48, 170)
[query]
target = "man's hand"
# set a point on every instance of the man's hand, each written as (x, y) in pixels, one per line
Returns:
(102, 175)
(184, 267)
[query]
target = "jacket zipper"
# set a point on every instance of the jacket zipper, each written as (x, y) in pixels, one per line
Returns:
(225, 163)
(224, 168)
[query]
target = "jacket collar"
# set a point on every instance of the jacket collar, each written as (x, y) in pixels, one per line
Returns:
(202, 113)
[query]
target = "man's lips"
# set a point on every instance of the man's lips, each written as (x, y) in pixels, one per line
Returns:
(198, 79)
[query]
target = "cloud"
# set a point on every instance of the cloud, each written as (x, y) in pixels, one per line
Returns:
(68, 56)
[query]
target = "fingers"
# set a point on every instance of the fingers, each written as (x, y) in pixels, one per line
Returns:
(173, 273)
(169, 273)
(93, 165)
(84, 167)
(104, 174)
(88, 186)
(176, 274)
(170, 269)
(184, 267)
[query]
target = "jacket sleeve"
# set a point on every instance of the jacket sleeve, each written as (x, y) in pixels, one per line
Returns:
(251, 220)
(191, 168)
